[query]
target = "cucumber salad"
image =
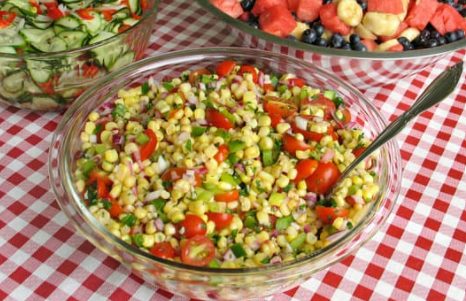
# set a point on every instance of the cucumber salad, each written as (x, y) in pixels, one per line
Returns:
(226, 167)
(48, 26)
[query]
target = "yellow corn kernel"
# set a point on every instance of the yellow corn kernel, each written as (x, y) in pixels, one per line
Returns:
(177, 216)
(84, 137)
(93, 116)
(245, 204)
(140, 212)
(292, 173)
(259, 258)
(199, 114)
(281, 240)
(291, 233)
(212, 164)
(89, 128)
(264, 121)
(131, 148)
(169, 229)
(356, 180)
(311, 238)
(284, 210)
(302, 154)
(129, 181)
(80, 185)
(222, 242)
(148, 241)
(159, 237)
(236, 223)
(109, 126)
(338, 223)
(264, 131)
(107, 166)
(115, 191)
(283, 127)
(327, 140)
(266, 177)
(197, 207)
(150, 228)
(263, 218)
(266, 143)
(111, 155)
(283, 181)
(210, 226)
(210, 151)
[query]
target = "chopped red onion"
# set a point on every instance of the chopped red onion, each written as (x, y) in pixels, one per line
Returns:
(238, 79)
(153, 195)
(328, 155)
(183, 136)
(351, 125)
(202, 86)
(307, 228)
(201, 170)
(275, 260)
(137, 158)
(229, 255)
(135, 190)
(240, 167)
(117, 139)
(260, 79)
(218, 85)
(192, 99)
(357, 199)
(130, 166)
(202, 122)
(159, 224)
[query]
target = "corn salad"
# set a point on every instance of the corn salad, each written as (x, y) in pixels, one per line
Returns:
(224, 167)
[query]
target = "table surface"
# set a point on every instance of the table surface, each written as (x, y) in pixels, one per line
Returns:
(417, 255)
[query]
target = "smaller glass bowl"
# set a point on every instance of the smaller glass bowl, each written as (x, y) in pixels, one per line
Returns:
(69, 67)
(203, 282)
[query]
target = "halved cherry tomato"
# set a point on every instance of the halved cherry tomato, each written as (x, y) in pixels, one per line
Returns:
(163, 250)
(358, 151)
(295, 82)
(225, 68)
(291, 144)
(215, 118)
(268, 88)
(196, 73)
(221, 220)
(198, 251)
(249, 69)
(279, 106)
(116, 209)
(193, 225)
(84, 13)
(148, 148)
(328, 214)
(323, 102)
(275, 120)
(305, 168)
(323, 178)
(53, 11)
(103, 183)
(176, 173)
(229, 196)
(222, 153)
(311, 135)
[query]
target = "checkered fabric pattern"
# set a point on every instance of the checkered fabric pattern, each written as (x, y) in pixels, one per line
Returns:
(417, 255)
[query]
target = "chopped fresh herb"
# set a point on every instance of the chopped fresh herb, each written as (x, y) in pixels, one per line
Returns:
(129, 220)
(208, 104)
(118, 111)
(106, 204)
(167, 184)
(283, 222)
(142, 139)
(244, 190)
(349, 225)
(339, 102)
(251, 223)
(149, 105)
(234, 232)
(227, 114)
(92, 192)
(168, 86)
(98, 128)
(303, 94)
(137, 239)
(214, 238)
(158, 204)
(287, 188)
(266, 260)
(188, 145)
(145, 88)
(315, 155)
(258, 186)
(233, 158)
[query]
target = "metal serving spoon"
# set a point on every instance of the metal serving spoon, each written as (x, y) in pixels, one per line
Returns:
(437, 91)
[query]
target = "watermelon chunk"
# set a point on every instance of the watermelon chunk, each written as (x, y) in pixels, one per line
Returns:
(262, 5)
(370, 44)
(331, 21)
(386, 6)
(308, 10)
(447, 19)
(277, 21)
(420, 13)
(293, 5)
(230, 7)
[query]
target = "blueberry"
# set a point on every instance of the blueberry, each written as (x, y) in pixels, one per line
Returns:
(247, 4)
(294, 15)
(253, 24)
(451, 36)
(403, 41)
(432, 43)
(359, 47)
(363, 4)
(441, 40)
(291, 38)
(309, 36)
(434, 34)
(425, 34)
(419, 41)
(408, 47)
(337, 40)
(321, 42)
(462, 2)
(354, 38)
(319, 28)
(463, 12)
(346, 46)
(460, 34)
(327, 1)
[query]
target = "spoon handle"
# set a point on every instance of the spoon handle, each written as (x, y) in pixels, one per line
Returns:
(437, 91)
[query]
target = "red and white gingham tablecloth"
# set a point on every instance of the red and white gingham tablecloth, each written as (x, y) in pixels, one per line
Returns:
(418, 255)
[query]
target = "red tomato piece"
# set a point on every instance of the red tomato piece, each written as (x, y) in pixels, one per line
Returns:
(193, 76)
(268, 88)
(176, 173)
(323, 178)
(328, 214)
(308, 10)
(358, 151)
(305, 168)
(215, 118)
(248, 69)
(37, 6)
(163, 250)
(276, 119)
(108, 13)
(346, 116)
(263, 5)
(116, 209)
(278, 21)
(324, 103)
(222, 153)
(420, 13)
(291, 144)
(225, 68)
(384, 6)
(221, 220)
(331, 21)
(198, 251)
(311, 135)
(295, 82)
(193, 225)
(148, 148)
(279, 106)
(230, 7)
(229, 196)
(84, 13)
(53, 11)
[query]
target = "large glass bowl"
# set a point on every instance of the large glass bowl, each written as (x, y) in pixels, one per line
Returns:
(362, 69)
(68, 68)
(212, 283)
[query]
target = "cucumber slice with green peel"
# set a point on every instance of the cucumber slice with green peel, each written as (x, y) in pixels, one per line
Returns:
(113, 26)
(74, 39)
(11, 38)
(36, 37)
(7, 49)
(67, 23)
(44, 102)
(14, 82)
(24, 7)
(135, 6)
(130, 21)
(94, 25)
(101, 36)
(122, 13)
(39, 22)
(78, 4)
(40, 71)
(123, 60)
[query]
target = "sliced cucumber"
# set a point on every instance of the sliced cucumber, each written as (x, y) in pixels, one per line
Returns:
(40, 21)
(123, 60)
(67, 23)
(44, 102)
(14, 82)
(122, 13)
(78, 4)
(40, 71)
(24, 7)
(93, 26)
(101, 36)
(135, 6)
(113, 26)
(74, 39)
(11, 38)
(7, 49)
(37, 37)
(130, 21)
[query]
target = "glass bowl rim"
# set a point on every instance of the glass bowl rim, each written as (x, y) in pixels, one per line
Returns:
(168, 59)
(296, 45)
(51, 55)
